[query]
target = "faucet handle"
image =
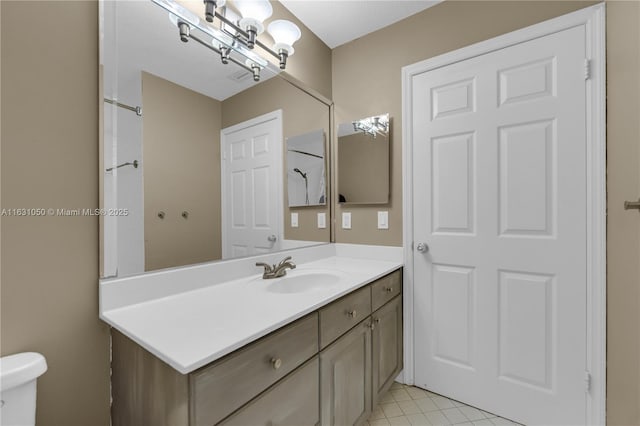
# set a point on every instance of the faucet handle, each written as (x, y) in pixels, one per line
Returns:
(282, 262)
(267, 268)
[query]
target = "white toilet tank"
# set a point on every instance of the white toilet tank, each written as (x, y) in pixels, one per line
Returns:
(18, 375)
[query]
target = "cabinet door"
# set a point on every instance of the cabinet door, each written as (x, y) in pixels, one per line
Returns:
(387, 346)
(292, 402)
(345, 378)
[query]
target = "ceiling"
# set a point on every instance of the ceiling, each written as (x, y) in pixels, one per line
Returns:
(337, 22)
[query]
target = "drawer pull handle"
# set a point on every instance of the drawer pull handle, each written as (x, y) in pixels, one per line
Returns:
(388, 289)
(276, 363)
(352, 314)
(372, 325)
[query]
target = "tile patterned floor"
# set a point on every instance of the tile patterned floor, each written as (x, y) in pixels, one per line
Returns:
(408, 405)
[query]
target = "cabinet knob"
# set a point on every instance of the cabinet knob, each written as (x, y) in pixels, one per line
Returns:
(377, 320)
(276, 363)
(352, 314)
(388, 289)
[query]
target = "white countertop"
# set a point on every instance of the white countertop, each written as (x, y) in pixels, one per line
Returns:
(190, 329)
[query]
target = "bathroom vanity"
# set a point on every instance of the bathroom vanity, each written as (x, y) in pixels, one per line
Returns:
(328, 367)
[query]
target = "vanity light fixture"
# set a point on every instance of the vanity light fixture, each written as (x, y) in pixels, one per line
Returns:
(284, 34)
(210, 8)
(373, 126)
(235, 37)
(254, 13)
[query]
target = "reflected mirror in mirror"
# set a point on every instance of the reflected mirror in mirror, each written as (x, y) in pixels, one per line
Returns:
(209, 142)
(363, 160)
(305, 169)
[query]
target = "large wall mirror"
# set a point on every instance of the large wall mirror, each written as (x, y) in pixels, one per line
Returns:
(363, 160)
(195, 152)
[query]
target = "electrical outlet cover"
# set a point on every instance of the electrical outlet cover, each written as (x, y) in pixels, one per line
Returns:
(346, 220)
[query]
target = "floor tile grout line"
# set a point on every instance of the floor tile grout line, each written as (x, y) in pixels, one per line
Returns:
(390, 399)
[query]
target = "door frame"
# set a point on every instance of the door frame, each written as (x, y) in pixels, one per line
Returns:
(593, 19)
(278, 145)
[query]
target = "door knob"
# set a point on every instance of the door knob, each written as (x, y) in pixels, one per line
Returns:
(422, 247)
(272, 238)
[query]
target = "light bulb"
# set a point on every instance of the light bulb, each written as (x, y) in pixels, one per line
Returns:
(284, 34)
(254, 12)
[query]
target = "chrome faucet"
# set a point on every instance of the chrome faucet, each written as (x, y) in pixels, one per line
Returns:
(276, 271)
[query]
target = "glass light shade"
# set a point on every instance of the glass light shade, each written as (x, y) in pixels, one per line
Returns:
(284, 34)
(258, 10)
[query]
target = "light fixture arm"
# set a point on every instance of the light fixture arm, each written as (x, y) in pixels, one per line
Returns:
(185, 31)
(230, 58)
(246, 36)
(256, 72)
(209, 10)
(283, 55)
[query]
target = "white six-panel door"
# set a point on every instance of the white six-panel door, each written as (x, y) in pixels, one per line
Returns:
(252, 186)
(499, 198)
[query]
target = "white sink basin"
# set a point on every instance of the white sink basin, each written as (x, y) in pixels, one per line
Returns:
(303, 281)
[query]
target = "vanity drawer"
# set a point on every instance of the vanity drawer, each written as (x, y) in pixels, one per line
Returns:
(340, 316)
(220, 389)
(386, 288)
(293, 401)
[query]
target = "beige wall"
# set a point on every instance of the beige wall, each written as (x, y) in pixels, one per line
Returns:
(367, 81)
(623, 233)
(301, 113)
(311, 62)
(455, 24)
(365, 182)
(181, 151)
(50, 159)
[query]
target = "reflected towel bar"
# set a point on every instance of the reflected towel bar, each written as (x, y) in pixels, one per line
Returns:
(628, 205)
(134, 164)
(137, 109)
(305, 153)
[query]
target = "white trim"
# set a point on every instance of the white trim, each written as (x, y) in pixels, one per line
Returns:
(593, 18)
(407, 229)
(279, 139)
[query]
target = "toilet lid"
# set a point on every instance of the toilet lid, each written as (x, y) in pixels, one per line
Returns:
(18, 369)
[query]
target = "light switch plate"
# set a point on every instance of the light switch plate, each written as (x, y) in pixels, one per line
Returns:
(294, 220)
(383, 220)
(346, 220)
(322, 220)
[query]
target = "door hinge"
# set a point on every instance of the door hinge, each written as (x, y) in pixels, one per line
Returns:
(587, 381)
(587, 69)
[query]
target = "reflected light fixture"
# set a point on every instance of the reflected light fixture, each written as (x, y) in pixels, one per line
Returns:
(235, 37)
(373, 126)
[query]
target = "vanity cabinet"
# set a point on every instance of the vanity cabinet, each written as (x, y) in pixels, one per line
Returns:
(293, 401)
(226, 385)
(327, 368)
(359, 367)
(386, 347)
(345, 378)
